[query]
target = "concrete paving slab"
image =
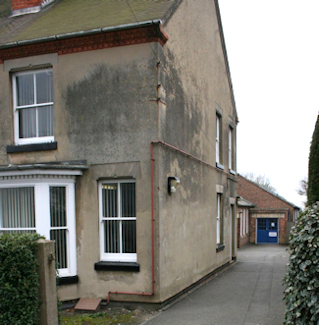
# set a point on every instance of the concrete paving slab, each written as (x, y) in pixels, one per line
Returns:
(249, 293)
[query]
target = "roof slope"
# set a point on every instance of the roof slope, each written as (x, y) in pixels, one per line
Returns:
(70, 16)
(260, 196)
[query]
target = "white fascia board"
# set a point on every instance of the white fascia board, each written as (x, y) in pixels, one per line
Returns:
(70, 172)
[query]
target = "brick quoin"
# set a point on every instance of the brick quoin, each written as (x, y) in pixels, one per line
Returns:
(21, 4)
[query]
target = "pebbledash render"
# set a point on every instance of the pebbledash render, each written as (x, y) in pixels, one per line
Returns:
(118, 141)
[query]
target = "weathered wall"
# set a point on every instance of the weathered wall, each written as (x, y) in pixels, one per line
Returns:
(103, 113)
(195, 83)
(101, 107)
(115, 123)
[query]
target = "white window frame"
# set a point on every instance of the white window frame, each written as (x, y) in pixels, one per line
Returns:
(244, 222)
(218, 219)
(217, 139)
(230, 148)
(114, 257)
(242, 216)
(42, 211)
(37, 139)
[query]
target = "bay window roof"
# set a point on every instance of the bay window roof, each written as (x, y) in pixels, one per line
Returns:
(75, 167)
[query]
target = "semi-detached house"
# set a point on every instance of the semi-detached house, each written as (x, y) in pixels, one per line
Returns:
(106, 106)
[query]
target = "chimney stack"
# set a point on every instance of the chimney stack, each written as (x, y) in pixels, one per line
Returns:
(22, 7)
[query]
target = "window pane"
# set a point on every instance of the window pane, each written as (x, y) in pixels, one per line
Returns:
(57, 206)
(112, 231)
(59, 236)
(109, 197)
(25, 89)
(128, 199)
(27, 123)
(129, 236)
(45, 121)
(58, 220)
(44, 87)
(261, 224)
(17, 207)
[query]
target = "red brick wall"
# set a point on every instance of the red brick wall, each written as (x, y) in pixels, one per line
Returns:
(21, 4)
(265, 203)
(261, 198)
(282, 224)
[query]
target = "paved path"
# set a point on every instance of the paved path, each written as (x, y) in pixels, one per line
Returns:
(248, 293)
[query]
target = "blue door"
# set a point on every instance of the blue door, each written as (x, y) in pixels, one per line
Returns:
(267, 230)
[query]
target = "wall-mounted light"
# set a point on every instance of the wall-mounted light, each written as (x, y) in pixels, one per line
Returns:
(173, 182)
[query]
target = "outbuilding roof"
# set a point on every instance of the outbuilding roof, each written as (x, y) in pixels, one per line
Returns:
(243, 203)
(73, 16)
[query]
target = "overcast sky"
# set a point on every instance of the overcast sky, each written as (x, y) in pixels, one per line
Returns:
(273, 55)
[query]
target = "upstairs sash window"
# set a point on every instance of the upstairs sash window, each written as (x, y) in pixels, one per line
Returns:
(217, 139)
(33, 106)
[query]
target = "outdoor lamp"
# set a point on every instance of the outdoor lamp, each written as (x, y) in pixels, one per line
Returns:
(173, 182)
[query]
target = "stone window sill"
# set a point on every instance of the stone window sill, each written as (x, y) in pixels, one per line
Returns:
(117, 266)
(32, 147)
(68, 280)
(220, 247)
(220, 166)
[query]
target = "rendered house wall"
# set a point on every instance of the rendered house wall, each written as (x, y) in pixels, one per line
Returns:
(105, 112)
(195, 82)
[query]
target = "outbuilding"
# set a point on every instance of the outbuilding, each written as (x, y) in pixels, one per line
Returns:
(271, 218)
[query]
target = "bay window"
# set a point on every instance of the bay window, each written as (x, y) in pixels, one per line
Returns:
(34, 203)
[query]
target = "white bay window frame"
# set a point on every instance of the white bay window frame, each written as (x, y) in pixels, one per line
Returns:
(41, 182)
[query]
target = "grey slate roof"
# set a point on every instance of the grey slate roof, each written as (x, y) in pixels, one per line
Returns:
(70, 16)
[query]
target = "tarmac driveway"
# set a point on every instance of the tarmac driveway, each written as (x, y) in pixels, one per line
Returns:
(248, 293)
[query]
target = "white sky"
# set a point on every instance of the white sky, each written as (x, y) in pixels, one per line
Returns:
(273, 54)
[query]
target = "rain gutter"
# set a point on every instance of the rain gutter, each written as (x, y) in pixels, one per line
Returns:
(83, 33)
